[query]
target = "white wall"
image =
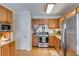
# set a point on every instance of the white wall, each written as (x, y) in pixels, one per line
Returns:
(23, 33)
(45, 16)
(77, 34)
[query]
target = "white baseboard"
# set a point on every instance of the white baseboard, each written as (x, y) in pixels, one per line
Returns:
(28, 49)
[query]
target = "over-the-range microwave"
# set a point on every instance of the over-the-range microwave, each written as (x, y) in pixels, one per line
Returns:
(5, 27)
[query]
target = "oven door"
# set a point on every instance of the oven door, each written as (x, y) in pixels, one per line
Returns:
(43, 42)
(43, 39)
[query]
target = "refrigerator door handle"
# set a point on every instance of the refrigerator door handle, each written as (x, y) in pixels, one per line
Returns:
(65, 47)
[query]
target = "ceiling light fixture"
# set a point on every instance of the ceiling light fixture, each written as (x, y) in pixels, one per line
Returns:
(49, 8)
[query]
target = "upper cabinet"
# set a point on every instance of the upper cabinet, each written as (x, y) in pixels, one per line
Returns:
(2, 14)
(9, 15)
(5, 15)
(53, 23)
(39, 21)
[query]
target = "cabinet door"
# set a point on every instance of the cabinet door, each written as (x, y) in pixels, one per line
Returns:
(5, 50)
(53, 23)
(39, 21)
(0, 51)
(53, 41)
(12, 49)
(9, 16)
(57, 22)
(35, 22)
(50, 24)
(43, 21)
(34, 41)
(50, 41)
(56, 42)
(2, 14)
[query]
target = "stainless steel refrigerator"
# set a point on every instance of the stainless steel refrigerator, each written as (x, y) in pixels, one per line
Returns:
(70, 34)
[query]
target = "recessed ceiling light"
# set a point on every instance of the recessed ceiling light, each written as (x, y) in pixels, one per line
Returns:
(49, 8)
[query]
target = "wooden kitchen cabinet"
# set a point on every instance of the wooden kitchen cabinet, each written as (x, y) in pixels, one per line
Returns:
(2, 14)
(12, 49)
(43, 21)
(0, 51)
(34, 40)
(50, 41)
(39, 21)
(5, 15)
(8, 49)
(34, 22)
(5, 50)
(53, 23)
(54, 42)
(9, 15)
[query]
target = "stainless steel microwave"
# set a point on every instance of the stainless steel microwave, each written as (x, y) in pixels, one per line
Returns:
(5, 27)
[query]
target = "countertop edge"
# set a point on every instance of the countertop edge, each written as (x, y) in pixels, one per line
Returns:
(6, 43)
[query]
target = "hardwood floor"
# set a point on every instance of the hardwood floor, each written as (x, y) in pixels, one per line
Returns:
(38, 52)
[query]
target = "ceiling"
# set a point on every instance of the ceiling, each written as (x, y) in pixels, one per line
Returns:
(40, 8)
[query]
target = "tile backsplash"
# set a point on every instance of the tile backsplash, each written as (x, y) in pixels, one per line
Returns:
(54, 32)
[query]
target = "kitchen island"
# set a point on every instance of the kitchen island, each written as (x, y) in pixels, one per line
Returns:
(7, 48)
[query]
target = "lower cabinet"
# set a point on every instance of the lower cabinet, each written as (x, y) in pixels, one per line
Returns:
(8, 49)
(54, 42)
(5, 50)
(34, 41)
(12, 49)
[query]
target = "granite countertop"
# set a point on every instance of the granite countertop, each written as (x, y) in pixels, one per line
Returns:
(3, 43)
(58, 36)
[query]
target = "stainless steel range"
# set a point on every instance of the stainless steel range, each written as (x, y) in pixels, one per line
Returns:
(43, 41)
(43, 38)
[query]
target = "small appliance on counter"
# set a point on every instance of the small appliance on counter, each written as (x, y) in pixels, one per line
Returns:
(6, 36)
